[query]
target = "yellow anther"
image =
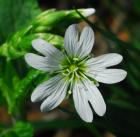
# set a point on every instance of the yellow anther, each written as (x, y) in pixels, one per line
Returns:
(69, 92)
(75, 59)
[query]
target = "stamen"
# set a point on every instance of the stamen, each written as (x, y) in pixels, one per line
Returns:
(77, 74)
(68, 70)
(72, 77)
(76, 59)
(68, 59)
(66, 74)
(83, 61)
(75, 69)
(69, 92)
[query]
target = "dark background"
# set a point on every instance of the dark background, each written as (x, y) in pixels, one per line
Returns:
(116, 24)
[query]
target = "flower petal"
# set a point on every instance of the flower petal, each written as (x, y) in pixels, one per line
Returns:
(86, 42)
(87, 12)
(81, 102)
(45, 48)
(95, 98)
(109, 76)
(58, 93)
(45, 89)
(70, 40)
(42, 63)
(36, 61)
(79, 48)
(105, 60)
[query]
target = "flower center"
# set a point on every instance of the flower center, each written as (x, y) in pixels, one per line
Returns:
(73, 68)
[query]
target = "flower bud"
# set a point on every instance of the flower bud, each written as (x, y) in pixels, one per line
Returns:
(87, 12)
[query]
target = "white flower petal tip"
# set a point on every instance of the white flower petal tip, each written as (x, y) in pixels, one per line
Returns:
(55, 94)
(106, 60)
(112, 76)
(34, 97)
(42, 108)
(120, 57)
(42, 46)
(88, 120)
(37, 94)
(35, 61)
(124, 75)
(27, 58)
(89, 11)
(37, 42)
(102, 111)
(96, 100)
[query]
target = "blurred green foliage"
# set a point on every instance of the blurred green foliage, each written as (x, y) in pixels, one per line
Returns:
(14, 15)
(18, 27)
(20, 129)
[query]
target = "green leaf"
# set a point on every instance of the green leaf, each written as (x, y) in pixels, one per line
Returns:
(22, 85)
(7, 81)
(25, 44)
(21, 91)
(2, 100)
(55, 20)
(23, 129)
(20, 129)
(42, 27)
(16, 14)
(8, 134)
(14, 49)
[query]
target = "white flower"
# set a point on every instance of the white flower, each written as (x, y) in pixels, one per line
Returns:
(75, 72)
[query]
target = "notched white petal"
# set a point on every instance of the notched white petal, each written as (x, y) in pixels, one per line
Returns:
(82, 106)
(111, 76)
(36, 61)
(97, 101)
(86, 42)
(70, 40)
(56, 97)
(108, 76)
(45, 89)
(97, 68)
(76, 47)
(103, 61)
(95, 98)
(44, 47)
(49, 63)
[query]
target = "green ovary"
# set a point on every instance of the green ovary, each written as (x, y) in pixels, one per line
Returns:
(73, 68)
